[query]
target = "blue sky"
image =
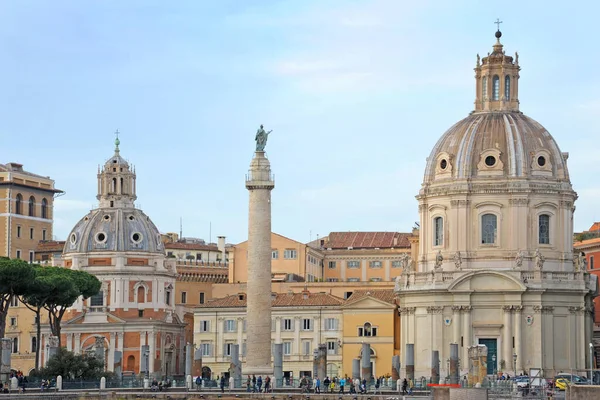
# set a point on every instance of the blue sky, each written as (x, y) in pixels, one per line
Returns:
(356, 92)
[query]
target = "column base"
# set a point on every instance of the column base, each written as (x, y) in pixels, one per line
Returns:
(258, 370)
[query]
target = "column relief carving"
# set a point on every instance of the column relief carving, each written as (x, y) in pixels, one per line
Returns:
(507, 309)
(517, 309)
(456, 309)
(466, 309)
(435, 309)
(537, 309)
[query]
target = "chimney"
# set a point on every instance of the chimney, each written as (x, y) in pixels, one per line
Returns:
(221, 246)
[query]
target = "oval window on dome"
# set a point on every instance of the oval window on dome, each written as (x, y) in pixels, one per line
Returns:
(100, 237)
(131, 218)
(106, 217)
(73, 238)
(490, 161)
(443, 164)
(541, 161)
(136, 237)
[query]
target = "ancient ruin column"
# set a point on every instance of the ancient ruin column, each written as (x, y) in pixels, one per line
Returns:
(467, 341)
(454, 363)
(277, 363)
(236, 365)
(197, 368)
(259, 183)
(356, 368)
(409, 361)
(395, 368)
(435, 366)
(188, 358)
(507, 342)
(322, 361)
(366, 362)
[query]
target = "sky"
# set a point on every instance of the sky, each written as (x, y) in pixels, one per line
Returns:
(356, 92)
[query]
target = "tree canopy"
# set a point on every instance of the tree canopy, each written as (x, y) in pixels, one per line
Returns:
(15, 277)
(73, 366)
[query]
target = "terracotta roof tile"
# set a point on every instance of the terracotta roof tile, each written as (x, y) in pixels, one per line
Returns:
(189, 246)
(386, 295)
(367, 240)
(280, 300)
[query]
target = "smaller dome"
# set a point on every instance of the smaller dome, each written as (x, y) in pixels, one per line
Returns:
(114, 230)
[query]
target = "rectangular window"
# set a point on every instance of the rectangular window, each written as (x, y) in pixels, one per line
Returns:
(229, 325)
(19, 254)
(30, 233)
(331, 347)
(307, 324)
(13, 321)
(14, 301)
(290, 254)
(205, 326)
(375, 264)
(353, 280)
(438, 231)
(169, 254)
(183, 297)
(18, 231)
(347, 295)
(198, 256)
(353, 264)
(168, 298)
(201, 298)
(306, 347)
(489, 228)
(332, 279)
(43, 234)
(591, 262)
(544, 229)
(287, 324)
(331, 324)
(227, 349)
(274, 254)
(396, 264)
(287, 348)
(205, 349)
(375, 279)
(97, 300)
(31, 256)
(331, 264)
(141, 313)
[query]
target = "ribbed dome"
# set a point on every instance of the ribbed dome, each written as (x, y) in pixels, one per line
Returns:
(114, 230)
(496, 144)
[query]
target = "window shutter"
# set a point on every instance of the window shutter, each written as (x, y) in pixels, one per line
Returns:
(360, 331)
(207, 326)
(224, 325)
(282, 324)
(273, 327)
(234, 325)
(244, 326)
(292, 323)
(335, 324)
(335, 347)
(244, 349)
(224, 349)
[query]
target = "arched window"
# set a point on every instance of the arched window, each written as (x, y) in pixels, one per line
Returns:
(32, 206)
(114, 185)
(33, 344)
(507, 87)
(141, 294)
(438, 231)
(496, 87)
(121, 188)
(484, 83)
(19, 204)
(544, 229)
(44, 208)
(15, 345)
(97, 300)
(367, 329)
(489, 228)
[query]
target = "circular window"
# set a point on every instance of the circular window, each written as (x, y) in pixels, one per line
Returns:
(541, 161)
(443, 164)
(490, 161)
(131, 218)
(73, 238)
(107, 217)
(101, 237)
(136, 237)
(86, 219)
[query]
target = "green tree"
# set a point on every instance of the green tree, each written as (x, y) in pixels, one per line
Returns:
(63, 287)
(73, 366)
(15, 276)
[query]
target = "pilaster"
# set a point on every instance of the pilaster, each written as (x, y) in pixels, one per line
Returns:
(111, 352)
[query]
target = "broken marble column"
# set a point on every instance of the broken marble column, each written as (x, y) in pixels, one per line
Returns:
(322, 364)
(356, 368)
(236, 366)
(435, 366)
(188, 359)
(366, 362)
(278, 364)
(410, 361)
(454, 363)
(395, 370)
(197, 368)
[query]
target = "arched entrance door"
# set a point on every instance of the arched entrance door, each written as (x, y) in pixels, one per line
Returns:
(131, 363)
(206, 373)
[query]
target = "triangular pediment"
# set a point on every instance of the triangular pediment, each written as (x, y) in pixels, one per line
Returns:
(367, 303)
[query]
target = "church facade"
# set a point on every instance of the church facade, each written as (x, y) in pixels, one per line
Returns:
(122, 247)
(496, 263)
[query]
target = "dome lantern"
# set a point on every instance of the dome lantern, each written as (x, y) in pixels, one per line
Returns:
(497, 80)
(116, 182)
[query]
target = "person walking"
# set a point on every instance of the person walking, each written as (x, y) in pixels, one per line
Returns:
(222, 384)
(342, 384)
(248, 384)
(259, 383)
(326, 383)
(404, 386)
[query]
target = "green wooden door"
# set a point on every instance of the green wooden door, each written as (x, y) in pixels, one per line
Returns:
(492, 346)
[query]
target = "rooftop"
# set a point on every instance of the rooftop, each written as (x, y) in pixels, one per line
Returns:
(366, 240)
(301, 299)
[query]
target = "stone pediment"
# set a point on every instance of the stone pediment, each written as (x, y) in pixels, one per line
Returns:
(487, 281)
(368, 303)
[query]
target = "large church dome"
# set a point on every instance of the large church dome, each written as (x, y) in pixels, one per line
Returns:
(116, 225)
(496, 144)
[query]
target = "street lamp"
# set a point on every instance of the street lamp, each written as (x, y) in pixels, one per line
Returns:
(494, 364)
(515, 363)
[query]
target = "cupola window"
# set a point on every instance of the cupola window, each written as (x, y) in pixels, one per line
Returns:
(489, 228)
(544, 229)
(97, 300)
(496, 87)
(484, 84)
(541, 161)
(32, 206)
(19, 204)
(438, 231)
(490, 161)
(507, 87)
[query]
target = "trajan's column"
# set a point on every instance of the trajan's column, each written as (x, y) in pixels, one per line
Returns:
(259, 183)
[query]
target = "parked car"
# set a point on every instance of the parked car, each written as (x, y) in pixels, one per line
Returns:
(561, 383)
(576, 379)
(522, 381)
